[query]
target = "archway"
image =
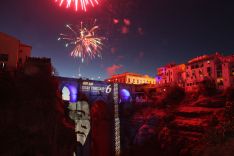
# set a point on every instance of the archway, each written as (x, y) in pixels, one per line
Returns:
(69, 93)
(125, 95)
(66, 94)
(101, 129)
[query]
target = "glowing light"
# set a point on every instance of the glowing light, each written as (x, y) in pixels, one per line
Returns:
(127, 22)
(78, 4)
(66, 94)
(86, 43)
(124, 94)
(158, 78)
(69, 93)
(115, 21)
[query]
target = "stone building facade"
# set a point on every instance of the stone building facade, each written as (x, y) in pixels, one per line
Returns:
(216, 67)
(131, 78)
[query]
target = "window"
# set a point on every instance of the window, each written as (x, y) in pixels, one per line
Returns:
(193, 72)
(219, 74)
(209, 71)
(4, 57)
(187, 74)
(200, 73)
(220, 83)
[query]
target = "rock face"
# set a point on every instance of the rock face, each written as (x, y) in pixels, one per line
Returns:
(192, 120)
(182, 128)
(145, 132)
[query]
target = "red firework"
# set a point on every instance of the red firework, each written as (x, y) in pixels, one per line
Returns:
(78, 4)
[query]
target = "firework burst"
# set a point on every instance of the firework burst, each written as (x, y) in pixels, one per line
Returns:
(78, 4)
(86, 43)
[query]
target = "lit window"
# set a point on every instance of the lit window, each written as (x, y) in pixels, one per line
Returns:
(2, 65)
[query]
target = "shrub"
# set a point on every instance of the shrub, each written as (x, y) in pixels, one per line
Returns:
(174, 94)
(207, 87)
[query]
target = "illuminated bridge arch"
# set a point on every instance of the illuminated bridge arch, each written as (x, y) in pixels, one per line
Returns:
(125, 95)
(69, 89)
(69, 93)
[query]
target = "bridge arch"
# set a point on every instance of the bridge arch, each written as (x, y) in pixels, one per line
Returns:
(125, 95)
(69, 92)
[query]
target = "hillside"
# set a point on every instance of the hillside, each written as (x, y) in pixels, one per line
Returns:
(179, 123)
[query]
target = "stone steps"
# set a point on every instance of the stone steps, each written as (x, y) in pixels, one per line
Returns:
(190, 121)
(214, 103)
(190, 135)
(196, 112)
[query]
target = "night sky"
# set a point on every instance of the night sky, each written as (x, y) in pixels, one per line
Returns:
(160, 32)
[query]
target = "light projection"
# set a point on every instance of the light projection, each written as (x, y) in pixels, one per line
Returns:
(80, 114)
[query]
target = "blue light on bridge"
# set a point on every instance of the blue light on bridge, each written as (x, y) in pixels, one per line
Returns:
(73, 93)
(125, 94)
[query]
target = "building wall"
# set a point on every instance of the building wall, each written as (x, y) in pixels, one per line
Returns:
(196, 72)
(9, 46)
(24, 53)
(228, 72)
(171, 74)
(132, 78)
(12, 49)
(38, 66)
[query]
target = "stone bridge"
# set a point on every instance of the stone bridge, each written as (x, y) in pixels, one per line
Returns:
(104, 100)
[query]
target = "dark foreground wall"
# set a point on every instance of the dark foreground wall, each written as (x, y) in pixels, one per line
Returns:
(32, 120)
